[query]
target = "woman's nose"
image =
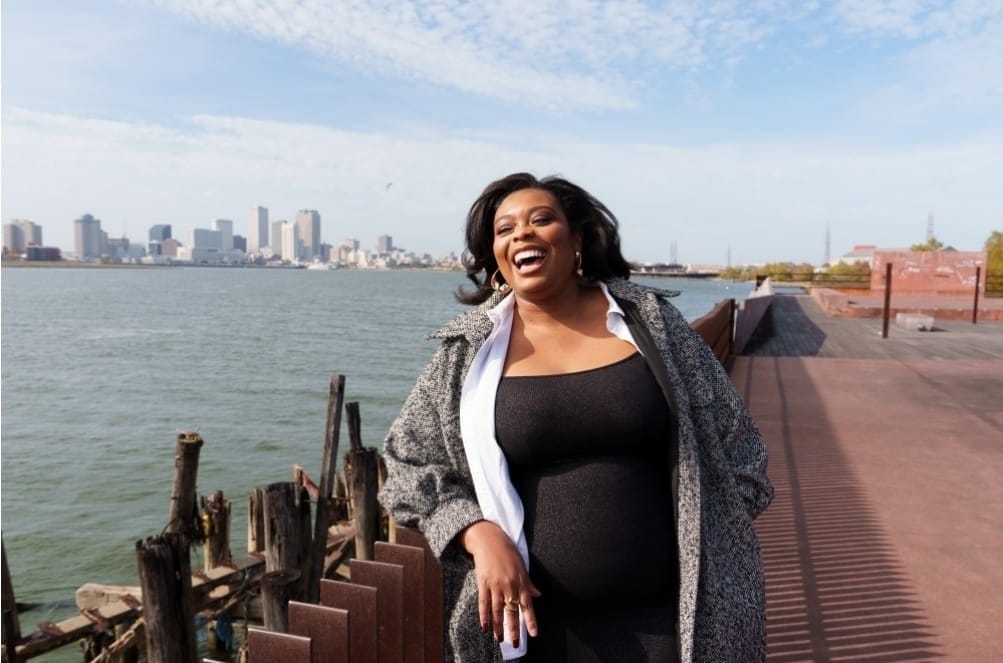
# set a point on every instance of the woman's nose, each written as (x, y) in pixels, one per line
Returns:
(524, 230)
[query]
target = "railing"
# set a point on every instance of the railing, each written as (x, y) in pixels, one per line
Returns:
(820, 280)
(390, 612)
(717, 328)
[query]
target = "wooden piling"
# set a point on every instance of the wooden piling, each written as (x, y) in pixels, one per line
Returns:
(216, 528)
(183, 505)
(11, 623)
(287, 531)
(256, 521)
(277, 589)
(329, 460)
(361, 473)
(165, 578)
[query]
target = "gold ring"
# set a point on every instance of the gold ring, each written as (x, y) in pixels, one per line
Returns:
(511, 605)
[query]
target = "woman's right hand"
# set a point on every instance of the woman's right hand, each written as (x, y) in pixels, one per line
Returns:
(501, 575)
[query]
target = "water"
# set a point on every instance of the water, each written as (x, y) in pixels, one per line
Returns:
(101, 368)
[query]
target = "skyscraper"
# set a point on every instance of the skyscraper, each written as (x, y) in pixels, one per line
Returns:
(384, 244)
(290, 242)
(308, 222)
(225, 227)
(277, 236)
(257, 229)
(87, 237)
(32, 232)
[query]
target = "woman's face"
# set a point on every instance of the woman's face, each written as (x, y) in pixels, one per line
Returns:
(533, 243)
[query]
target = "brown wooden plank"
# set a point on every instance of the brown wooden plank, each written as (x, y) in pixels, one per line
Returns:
(267, 647)
(413, 562)
(388, 579)
(326, 627)
(363, 628)
(435, 631)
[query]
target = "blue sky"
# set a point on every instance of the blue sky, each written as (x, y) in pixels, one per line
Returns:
(752, 124)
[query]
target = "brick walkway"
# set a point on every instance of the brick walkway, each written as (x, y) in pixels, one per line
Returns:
(885, 538)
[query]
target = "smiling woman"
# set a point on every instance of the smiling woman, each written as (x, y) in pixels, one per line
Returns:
(570, 393)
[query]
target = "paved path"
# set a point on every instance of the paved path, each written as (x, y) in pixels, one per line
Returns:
(885, 539)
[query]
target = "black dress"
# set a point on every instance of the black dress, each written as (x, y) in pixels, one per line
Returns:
(588, 455)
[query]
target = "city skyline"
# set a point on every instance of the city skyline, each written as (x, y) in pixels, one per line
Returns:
(754, 125)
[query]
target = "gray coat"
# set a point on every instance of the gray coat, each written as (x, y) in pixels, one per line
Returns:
(719, 482)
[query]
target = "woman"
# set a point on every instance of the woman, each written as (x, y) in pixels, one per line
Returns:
(575, 455)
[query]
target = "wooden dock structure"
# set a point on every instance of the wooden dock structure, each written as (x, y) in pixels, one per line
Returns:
(884, 539)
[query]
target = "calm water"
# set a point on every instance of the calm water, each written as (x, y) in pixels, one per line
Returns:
(102, 368)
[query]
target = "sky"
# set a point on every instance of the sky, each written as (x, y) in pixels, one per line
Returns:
(740, 127)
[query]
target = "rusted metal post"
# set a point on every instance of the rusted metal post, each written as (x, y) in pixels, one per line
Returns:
(216, 528)
(329, 460)
(186, 465)
(287, 531)
(361, 474)
(978, 279)
(888, 300)
(165, 577)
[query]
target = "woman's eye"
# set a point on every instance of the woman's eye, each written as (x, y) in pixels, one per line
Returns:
(541, 220)
(501, 230)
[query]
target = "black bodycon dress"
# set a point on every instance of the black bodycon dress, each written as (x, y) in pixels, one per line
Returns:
(588, 455)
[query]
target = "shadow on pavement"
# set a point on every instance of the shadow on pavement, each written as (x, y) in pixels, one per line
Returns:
(835, 588)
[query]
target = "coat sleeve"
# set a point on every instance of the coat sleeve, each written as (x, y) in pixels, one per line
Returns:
(428, 483)
(738, 440)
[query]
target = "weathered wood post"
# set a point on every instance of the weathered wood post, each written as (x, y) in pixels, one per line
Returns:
(329, 460)
(361, 469)
(256, 521)
(186, 465)
(216, 527)
(888, 300)
(277, 589)
(287, 531)
(165, 578)
(11, 623)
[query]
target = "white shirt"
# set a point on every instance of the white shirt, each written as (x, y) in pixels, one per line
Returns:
(498, 499)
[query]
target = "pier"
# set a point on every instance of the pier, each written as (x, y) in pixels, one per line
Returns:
(884, 539)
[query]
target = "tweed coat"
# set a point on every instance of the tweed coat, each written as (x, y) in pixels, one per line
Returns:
(720, 481)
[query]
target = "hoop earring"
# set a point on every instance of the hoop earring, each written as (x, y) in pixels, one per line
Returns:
(495, 285)
(578, 264)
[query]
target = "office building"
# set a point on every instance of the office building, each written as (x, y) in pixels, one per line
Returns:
(240, 243)
(257, 229)
(160, 232)
(88, 238)
(277, 236)
(225, 228)
(308, 222)
(384, 244)
(290, 242)
(13, 238)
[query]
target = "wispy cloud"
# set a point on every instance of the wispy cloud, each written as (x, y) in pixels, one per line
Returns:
(584, 54)
(750, 194)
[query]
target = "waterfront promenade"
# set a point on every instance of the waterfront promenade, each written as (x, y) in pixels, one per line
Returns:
(884, 539)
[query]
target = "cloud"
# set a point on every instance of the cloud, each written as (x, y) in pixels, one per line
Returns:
(768, 200)
(541, 54)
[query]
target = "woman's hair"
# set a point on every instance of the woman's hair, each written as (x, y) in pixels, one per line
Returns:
(601, 257)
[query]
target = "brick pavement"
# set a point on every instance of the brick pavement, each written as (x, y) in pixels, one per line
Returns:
(885, 540)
